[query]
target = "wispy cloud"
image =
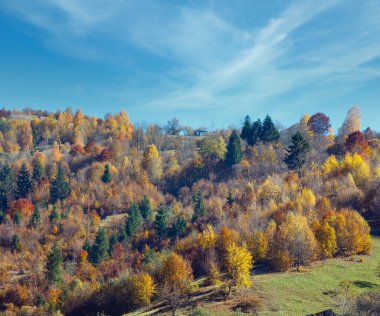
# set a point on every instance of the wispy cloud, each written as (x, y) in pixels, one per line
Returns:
(199, 59)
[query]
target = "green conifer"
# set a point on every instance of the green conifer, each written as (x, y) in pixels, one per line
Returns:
(24, 183)
(234, 154)
(54, 266)
(107, 177)
(296, 152)
(269, 132)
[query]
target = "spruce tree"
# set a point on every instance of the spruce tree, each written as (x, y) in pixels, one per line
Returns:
(162, 220)
(134, 220)
(255, 133)
(24, 183)
(199, 207)
(16, 243)
(6, 189)
(54, 266)
(246, 130)
(60, 186)
(107, 177)
(296, 152)
(146, 208)
(234, 154)
(54, 215)
(86, 246)
(99, 250)
(35, 219)
(269, 132)
(178, 228)
(38, 171)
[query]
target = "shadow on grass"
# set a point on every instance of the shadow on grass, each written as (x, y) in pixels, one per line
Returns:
(364, 284)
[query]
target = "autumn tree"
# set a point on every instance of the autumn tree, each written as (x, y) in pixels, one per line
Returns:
(326, 237)
(351, 123)
(213, 148)
(38, 171)
(173, 127)
(25, 136)
(24, 183)
(298, 239)
(100, 248)
(357, 143)
(54, 266)
(296, 152)
(152, 162)
(234, 154)
(141, 289)
(239, 263)
(60, 186)
(319, 123)
(176, 280)
(16, 243)
(269, 132)
(107, 177)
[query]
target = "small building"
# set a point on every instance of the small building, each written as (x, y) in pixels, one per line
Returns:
(327, 312)
(200, 132)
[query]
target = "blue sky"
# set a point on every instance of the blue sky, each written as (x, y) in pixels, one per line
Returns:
(209, 63)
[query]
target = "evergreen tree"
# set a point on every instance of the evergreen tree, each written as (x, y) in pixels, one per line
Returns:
(255, 133)
(162, 221)
(246, 130)
(35, 219)
(24, 183)
(17, 218)
(86, 246)
(54, 266)
(230, 198)
(269, 132)
(6, 189)
(60, 186)
(178, 228)
(38, 171)
(107, 177)
(16, 243)
(113, 240)
(296, 152)
(134, 220)
(99, 250)
(54, 215)
(199, 207)
(234, 154)
(146, 209)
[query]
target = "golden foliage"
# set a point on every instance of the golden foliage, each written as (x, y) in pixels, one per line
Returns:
(239, 263)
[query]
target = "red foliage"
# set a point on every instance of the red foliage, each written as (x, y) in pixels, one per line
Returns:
(25, 206)
(105, 155)
(319, 123)
(77, 150)
(356, 143)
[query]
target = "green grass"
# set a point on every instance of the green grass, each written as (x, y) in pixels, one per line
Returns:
(317, 289)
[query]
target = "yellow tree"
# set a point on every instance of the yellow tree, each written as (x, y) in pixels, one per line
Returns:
(239, 263)
(141, 289)
(152, 162)
(326, 237)
(176, 280)
(330, 166)
(258, 245)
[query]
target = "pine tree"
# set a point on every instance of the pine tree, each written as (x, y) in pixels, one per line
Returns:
(16, 243)
(38, 171)
(54, 215)
(230, 198)
(24, 183)
(234, 154)
(199, 207)
(246, 130)
(134, 220)
(6, 189)
(17, 218)
(146, 209)
(54, 266)
(255, 133)
(86, 246)
(60, 186)
(99, 250)
(35, 219)
(269, 132)
(178, 228)
(107, 177)
(162, 221)
(296, 152)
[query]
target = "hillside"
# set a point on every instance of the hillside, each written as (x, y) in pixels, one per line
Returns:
(102, 217)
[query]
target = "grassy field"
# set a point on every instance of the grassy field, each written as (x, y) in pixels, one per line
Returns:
(318, 288)
(292, 293)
